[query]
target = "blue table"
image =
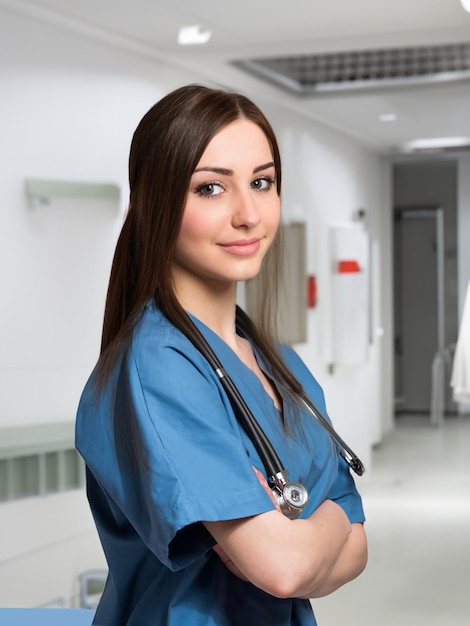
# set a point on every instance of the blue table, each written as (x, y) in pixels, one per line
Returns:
(46, 617)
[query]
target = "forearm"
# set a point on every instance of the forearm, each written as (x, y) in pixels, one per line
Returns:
(349, 564)
(331, 531)
(283, 557)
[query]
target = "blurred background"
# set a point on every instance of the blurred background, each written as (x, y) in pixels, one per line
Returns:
(370, 101)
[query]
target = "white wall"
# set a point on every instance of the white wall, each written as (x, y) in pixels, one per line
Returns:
(68, 108)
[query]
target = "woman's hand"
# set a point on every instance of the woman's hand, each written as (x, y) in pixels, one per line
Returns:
(266, 487)
(229, 564)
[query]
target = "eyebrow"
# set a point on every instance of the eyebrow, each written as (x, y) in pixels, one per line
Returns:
(223, 171)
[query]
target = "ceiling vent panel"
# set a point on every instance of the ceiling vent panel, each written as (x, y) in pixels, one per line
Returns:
(364, 69)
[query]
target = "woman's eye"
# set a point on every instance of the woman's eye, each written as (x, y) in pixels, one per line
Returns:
(209, 189)
(262, 184)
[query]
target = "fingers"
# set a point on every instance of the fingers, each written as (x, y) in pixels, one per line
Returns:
(267, 488)
(229, 564)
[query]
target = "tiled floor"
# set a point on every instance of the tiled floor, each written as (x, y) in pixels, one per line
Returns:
(417, 501)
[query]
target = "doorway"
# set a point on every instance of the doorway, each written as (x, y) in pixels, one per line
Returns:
(418, 303)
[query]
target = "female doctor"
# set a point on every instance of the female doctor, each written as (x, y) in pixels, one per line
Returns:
(192, 533)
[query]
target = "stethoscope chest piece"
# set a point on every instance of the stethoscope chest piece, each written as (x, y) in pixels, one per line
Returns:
(291, 496)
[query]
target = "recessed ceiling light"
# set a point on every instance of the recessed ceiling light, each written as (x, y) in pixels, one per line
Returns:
(193, 35)
(436, 144)
(388, 117)
(466, 5)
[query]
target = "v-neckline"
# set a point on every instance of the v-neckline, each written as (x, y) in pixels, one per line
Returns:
(268, 383)
(277, 405)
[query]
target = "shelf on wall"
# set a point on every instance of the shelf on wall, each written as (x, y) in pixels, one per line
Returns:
(43, 191)
(35, 438)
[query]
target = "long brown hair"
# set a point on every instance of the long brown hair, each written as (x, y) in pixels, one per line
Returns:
(165, 150)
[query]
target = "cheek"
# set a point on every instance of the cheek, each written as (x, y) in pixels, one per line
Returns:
(273, 218)
(196, 228)
(193, 226)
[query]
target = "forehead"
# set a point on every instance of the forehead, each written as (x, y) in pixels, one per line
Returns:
(240, 139)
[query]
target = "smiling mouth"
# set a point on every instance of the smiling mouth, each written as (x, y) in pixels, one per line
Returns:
(244, 247)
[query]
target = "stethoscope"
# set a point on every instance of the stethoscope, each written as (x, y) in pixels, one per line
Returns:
(291, 496)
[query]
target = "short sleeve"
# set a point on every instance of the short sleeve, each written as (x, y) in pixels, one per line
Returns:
(344, 492)
(198, 466)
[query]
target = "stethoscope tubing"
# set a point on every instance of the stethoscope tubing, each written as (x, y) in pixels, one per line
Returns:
(271, 461)
(266, 451)
(346, 452)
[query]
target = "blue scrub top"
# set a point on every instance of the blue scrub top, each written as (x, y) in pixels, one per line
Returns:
(162, 570)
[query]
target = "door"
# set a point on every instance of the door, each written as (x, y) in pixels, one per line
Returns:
(418, 304)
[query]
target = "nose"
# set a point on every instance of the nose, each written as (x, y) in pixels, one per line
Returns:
(245, 210)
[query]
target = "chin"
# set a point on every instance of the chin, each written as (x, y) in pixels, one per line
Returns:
(243, 272)
(243, 276)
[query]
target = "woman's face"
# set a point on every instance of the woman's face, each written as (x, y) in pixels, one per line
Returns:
(232, 210)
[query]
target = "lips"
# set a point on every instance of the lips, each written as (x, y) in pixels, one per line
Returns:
(242, 247)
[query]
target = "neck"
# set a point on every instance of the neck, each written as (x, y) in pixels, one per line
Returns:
(214, 306)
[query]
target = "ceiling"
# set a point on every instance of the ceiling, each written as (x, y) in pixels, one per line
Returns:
(247, 29)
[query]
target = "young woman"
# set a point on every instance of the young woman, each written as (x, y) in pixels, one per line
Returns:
(192, 533)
